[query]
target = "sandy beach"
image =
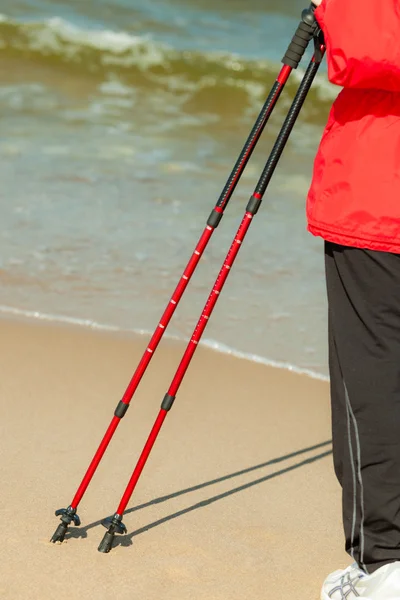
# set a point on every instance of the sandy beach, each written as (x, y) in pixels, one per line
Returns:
(238, 499)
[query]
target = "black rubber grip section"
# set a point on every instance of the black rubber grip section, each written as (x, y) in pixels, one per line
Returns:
(121, 409)
(253, 205)
(215, 218)
(167, 402)
(297, 47)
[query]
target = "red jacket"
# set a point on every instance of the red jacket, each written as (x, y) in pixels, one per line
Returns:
(354, 197)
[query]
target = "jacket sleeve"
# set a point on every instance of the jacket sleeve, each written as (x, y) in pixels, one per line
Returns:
(363, 42)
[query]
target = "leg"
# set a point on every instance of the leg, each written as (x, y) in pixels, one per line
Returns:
(364, 313)
(343, 438)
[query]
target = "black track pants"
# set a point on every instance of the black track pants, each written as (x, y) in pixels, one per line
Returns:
(364, 359)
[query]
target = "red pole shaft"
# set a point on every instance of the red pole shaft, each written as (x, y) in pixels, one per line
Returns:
(183, 282)
(168, 313)
(146, 358)
(210, 304)
(142, 461)
(95, 462)
(187, 357)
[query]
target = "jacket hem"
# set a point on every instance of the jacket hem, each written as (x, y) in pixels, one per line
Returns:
(344, 239)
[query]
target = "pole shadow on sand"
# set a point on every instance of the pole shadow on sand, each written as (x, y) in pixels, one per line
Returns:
(126, 540)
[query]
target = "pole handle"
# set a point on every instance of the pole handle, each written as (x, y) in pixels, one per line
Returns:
(306, 31)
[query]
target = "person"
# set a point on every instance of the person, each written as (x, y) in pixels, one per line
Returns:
(354, 205)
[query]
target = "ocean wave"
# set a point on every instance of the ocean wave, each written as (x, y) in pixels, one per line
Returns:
(208, 343)
(143, 63)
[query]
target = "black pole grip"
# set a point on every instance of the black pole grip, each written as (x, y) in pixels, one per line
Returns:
(306, 30)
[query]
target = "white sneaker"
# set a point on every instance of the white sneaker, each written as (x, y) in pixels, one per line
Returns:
(350, 583)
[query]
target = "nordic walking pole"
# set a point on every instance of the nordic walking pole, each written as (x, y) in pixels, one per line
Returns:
(114, 524)
(296, 49)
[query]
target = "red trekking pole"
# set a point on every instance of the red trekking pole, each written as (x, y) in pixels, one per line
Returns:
(305, 32)
(114, 524)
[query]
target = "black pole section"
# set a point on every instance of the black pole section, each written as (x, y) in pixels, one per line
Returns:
(269, 169)
(247, 151)
(305, 32)
(287, 127)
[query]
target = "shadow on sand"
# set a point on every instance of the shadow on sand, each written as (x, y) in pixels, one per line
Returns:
(126, 540)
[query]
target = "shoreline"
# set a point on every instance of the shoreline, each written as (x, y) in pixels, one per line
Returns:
(12, 313)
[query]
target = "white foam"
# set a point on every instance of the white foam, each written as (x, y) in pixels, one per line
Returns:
(208, 343)
(58, 35)
(121, 48)
(34, 314)
(102, 39)
(113, 87)
(218, 347)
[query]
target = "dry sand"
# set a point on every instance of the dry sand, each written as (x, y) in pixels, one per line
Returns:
(270, 533)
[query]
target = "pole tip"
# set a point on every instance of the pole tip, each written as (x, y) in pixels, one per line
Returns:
(59, 534)
(107, 542)
(68, 515)
(114, 525)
